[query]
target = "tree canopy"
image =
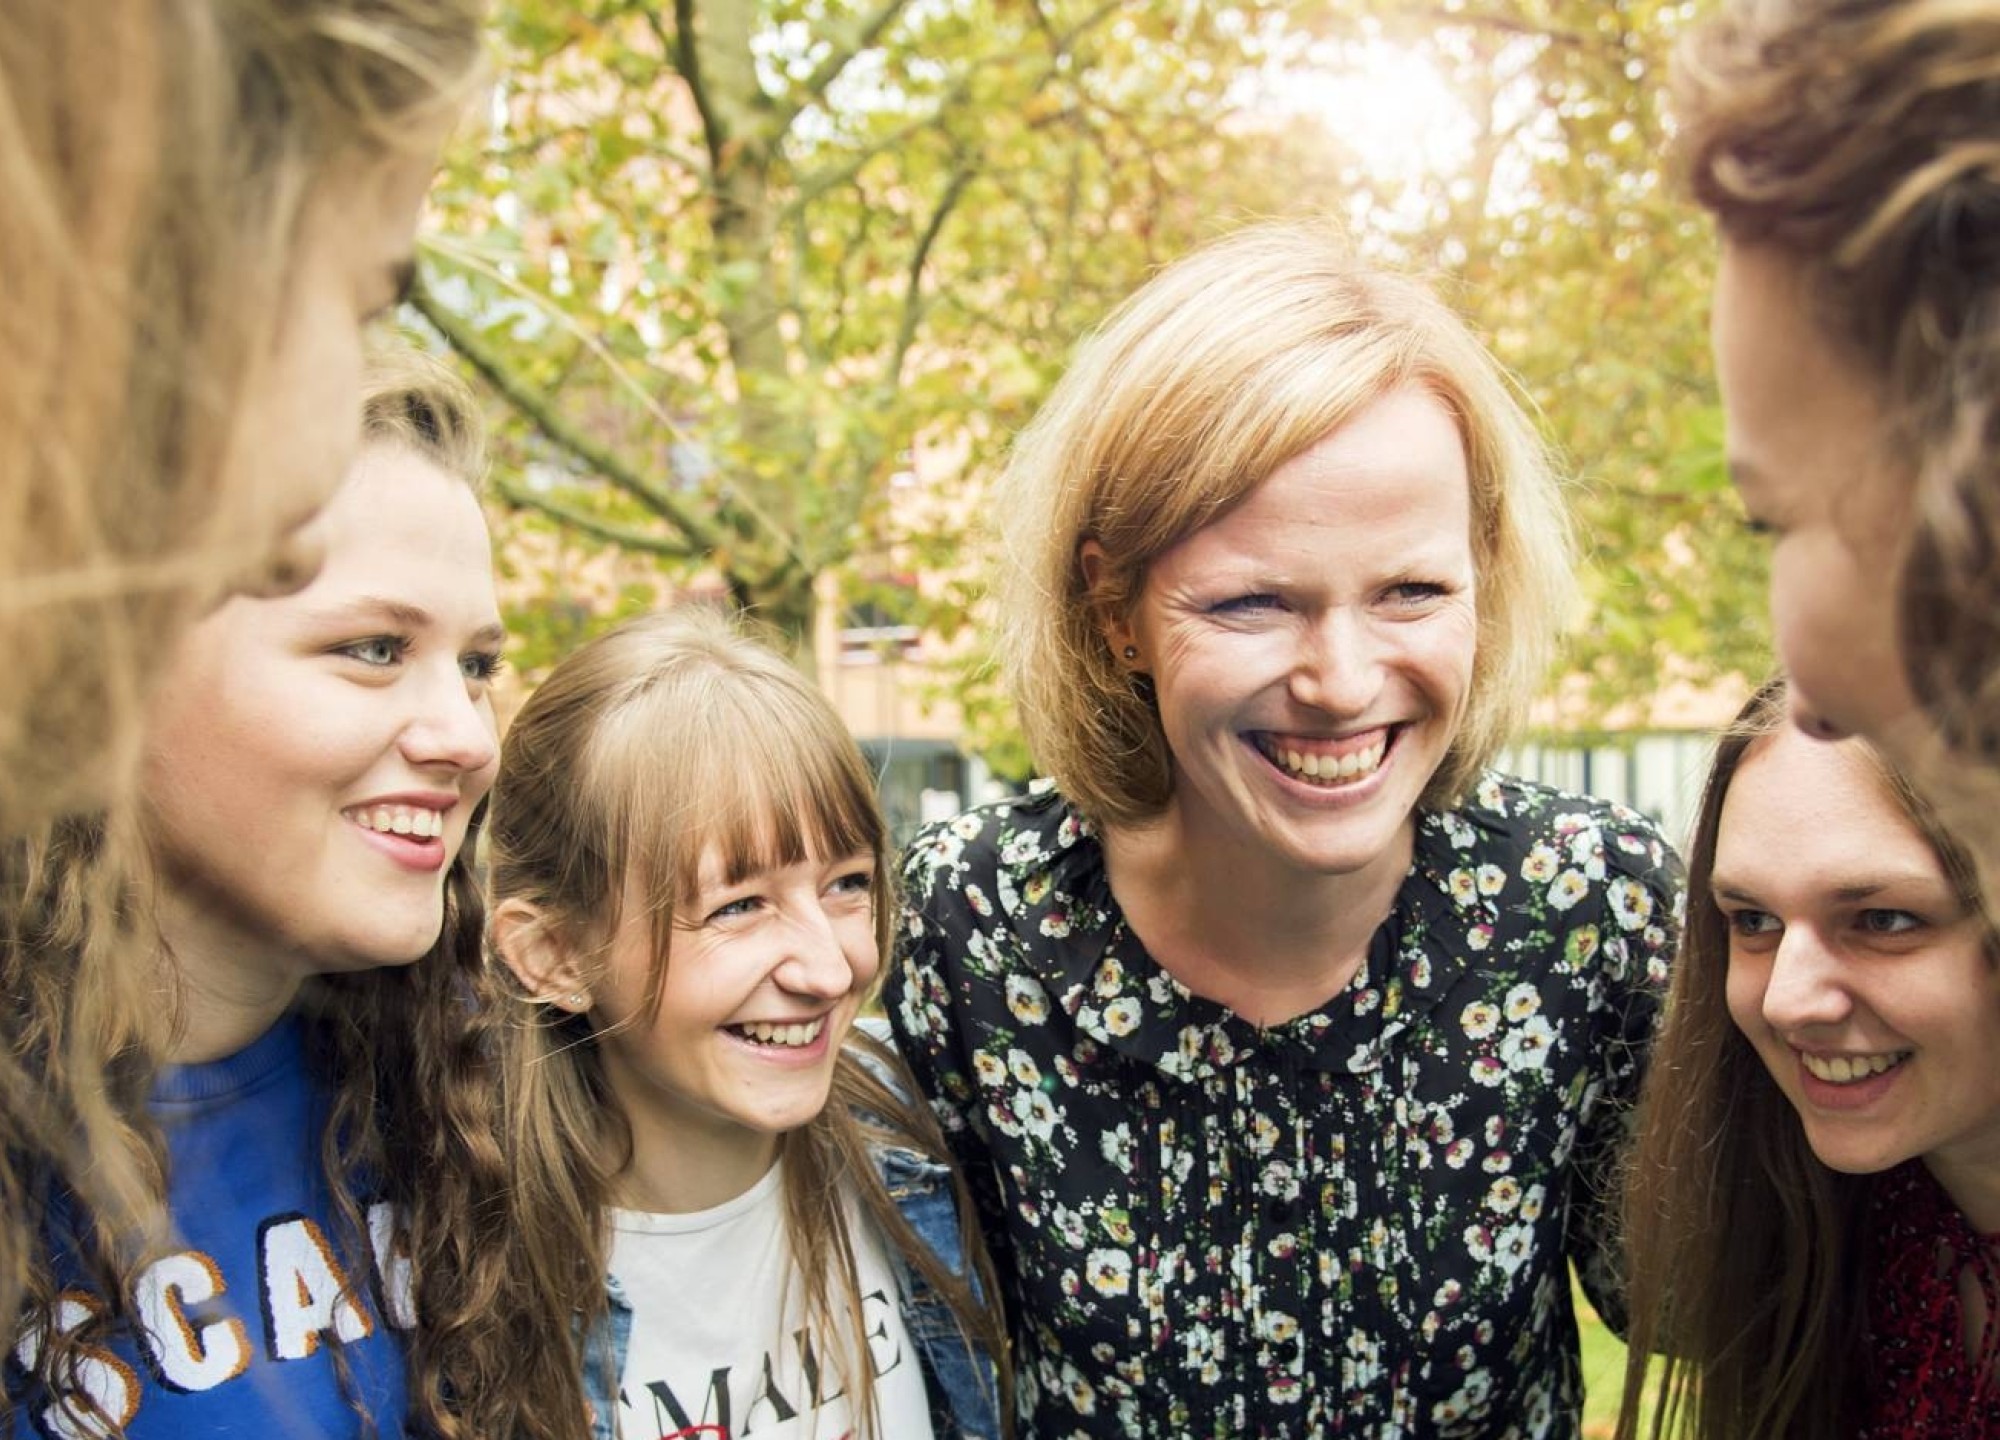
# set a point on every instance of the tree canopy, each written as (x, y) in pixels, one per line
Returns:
(736, 267)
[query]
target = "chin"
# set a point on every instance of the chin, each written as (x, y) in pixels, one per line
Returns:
(1846, 1160)
(387, 952)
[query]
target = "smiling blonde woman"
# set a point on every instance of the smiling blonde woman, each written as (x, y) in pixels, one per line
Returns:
(1287, 1048)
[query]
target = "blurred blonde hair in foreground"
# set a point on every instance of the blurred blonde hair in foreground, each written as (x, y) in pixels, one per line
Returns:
(157, 158)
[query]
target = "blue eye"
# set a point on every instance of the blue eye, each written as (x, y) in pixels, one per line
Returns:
(1754, 922)
(1244, 604)
(1888, 922)
(736, 909)
(1416, 592)
(480, 666)
(380, 651)
(856, 882)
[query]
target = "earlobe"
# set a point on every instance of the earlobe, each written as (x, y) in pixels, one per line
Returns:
(526, 943)
(1112, 625)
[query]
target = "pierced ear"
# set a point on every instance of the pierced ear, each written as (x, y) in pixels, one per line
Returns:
(1112, 625)
(546, 968)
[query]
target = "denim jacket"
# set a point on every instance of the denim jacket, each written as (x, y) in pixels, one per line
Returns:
(963, 1387)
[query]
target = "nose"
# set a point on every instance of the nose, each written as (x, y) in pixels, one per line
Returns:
(1810, 722)
(451, 726)
(816, 963)
(1338, 668)
(1806, 987)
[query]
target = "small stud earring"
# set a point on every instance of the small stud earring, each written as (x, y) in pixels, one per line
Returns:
(1131, 652)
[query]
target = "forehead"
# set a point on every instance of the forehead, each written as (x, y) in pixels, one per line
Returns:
(753, 793)
(1804, 419)
(1816, 813)
(397, 509)
(1392, 475)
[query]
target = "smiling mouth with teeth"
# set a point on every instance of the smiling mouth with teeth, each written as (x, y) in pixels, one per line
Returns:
(781, 1036)
(1323, 763)
(414, 821)
(1849, 1069)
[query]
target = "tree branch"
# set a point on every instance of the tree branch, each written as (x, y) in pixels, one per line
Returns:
(838, 59)
(686, 59)
(913, 285)
(576, 518)
(698, 533)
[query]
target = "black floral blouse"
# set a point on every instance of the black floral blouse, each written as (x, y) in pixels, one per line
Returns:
(1353, 1223)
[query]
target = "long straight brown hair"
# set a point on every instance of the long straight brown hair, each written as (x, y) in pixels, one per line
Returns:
(652, 742)
(1745, 1261)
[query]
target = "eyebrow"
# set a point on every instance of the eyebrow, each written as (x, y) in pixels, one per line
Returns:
(401, 614)
(1843, 894)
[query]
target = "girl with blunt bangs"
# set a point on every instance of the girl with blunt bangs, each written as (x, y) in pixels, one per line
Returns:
(726, 1181)
(1802, 1220)
(333, 1258)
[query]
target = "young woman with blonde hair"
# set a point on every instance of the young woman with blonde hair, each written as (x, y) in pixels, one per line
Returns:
(206, 199)
(691, 898)
(1814, 1199)
(334, 1259)
(1850, 150)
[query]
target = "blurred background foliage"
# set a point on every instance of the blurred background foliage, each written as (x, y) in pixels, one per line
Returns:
(763, 288)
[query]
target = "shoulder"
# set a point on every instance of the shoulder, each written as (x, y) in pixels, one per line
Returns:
(1030, 866)
(1016, 835)
(1546, 832)
(1590, 885)
(902, 1156)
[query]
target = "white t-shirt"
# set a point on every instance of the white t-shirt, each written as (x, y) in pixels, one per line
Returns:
(718, 1348)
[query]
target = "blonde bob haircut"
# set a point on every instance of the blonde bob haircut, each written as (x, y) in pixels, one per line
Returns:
(1227, 364)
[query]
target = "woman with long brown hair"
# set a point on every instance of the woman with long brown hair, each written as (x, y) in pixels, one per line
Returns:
(736, 1191)
(1815, 1191)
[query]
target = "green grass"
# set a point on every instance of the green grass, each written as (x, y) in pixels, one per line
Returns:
(1603, 1372)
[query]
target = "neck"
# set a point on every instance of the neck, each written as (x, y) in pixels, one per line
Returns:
(1972, 1186)
(232, 988)
(1269, 942)
(679, 1168)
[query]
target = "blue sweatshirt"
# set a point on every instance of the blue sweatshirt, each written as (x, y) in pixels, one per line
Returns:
(244, 1320)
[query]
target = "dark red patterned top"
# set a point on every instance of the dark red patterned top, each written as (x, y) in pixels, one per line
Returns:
(1926, 1386)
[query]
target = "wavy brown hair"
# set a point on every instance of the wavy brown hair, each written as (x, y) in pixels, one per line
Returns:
(653, 741)
(1862, 138)
(1744, 1257)
(403, 1051)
